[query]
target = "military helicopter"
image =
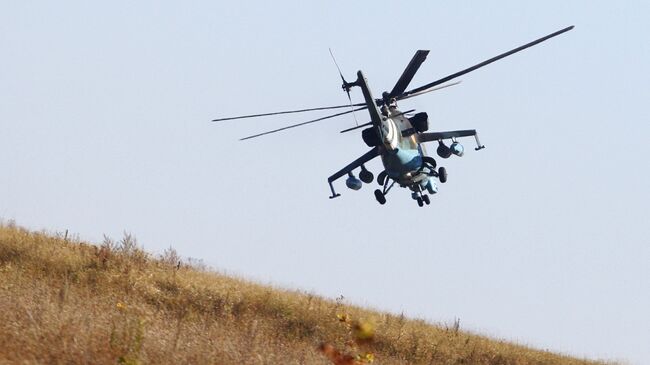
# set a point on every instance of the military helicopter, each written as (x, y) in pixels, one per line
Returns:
(395, 136)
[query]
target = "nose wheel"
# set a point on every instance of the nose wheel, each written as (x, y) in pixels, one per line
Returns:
(422, 200)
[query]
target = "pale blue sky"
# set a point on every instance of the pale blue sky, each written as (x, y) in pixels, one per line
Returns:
(542, 238)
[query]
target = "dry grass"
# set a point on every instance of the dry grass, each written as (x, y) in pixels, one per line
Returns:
(65, 301)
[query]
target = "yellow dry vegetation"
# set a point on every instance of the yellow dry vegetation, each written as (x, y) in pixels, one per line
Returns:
(63, 301)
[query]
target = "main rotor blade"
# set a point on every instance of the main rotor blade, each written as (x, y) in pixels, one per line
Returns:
(484, 63)
(287, 112)
(303, 123)
(370, 123)
(413, 66)
(427, 90)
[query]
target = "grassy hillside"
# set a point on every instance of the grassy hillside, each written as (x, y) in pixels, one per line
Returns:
(66, 301)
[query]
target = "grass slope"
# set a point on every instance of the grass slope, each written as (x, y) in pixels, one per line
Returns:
(66, 301)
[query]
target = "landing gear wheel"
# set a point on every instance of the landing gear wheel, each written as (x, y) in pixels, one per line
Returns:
(366, 176)
(442, 175)
(420, 202)
(426, 200)
(381, 198)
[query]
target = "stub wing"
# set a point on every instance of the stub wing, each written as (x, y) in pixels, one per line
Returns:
(353, 165)
(438, 136)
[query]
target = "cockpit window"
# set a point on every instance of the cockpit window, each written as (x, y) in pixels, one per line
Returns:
(409, 143)
(406, 143)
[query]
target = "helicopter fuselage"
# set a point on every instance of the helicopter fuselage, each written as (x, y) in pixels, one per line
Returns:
(402, 155)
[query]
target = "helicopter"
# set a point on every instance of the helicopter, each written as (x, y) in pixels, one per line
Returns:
(398, 137)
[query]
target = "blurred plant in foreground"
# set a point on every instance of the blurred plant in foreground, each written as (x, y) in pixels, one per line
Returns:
(360, 333)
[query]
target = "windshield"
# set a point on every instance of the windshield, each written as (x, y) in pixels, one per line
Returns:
(405, 143)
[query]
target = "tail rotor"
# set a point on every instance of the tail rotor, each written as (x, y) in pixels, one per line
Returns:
(346, 86)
